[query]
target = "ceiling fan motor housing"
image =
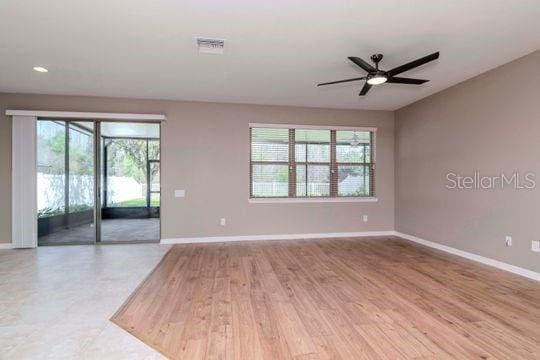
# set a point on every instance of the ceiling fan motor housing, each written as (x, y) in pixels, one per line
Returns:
(376, 58)
(378, 73)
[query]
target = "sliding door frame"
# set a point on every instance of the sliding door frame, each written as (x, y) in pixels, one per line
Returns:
(70, 124)
(24, 166)
(99, 172)
(97, 182)
(99, 185)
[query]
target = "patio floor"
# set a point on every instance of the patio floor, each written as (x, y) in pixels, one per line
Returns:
(112, 230)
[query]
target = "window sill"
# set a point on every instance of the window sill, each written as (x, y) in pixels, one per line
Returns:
(311, 200)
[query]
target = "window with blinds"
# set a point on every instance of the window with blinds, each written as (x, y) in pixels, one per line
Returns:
(311, 163)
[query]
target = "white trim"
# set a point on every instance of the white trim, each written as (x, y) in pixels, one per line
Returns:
(481, 259)
(6, 246)
(211, 239)
(88, 115)
(316, 127)
(293, 200)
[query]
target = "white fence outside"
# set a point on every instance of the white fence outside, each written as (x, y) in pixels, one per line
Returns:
(81, 190)
(124, 188)
(349, 185)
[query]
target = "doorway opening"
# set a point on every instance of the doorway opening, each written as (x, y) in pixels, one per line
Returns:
(97, 181)
(130, 182)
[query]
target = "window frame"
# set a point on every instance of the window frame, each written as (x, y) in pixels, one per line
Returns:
(333, 165)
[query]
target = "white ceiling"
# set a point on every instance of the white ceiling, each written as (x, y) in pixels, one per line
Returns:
(276, 51)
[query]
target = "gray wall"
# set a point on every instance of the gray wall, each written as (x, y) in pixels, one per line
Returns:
(206, 146)
(489, 124)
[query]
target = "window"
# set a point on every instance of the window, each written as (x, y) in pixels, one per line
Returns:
(270, 162)
(297, 162)
(312, 162)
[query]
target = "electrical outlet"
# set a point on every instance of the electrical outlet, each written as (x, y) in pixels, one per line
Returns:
(365, 218)
(222, 222)
(508, 240)
(535, 245)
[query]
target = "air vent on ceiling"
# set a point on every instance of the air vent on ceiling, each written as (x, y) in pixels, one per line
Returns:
(211, 46)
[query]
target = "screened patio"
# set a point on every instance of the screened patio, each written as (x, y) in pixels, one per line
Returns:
(129, 179)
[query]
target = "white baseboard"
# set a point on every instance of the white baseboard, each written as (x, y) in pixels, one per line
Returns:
(481, 259)
(189, 240)
(5, 246)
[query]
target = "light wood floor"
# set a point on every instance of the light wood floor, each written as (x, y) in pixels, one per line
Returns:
(331, 298)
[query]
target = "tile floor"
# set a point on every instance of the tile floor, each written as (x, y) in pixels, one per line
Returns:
(55, 302)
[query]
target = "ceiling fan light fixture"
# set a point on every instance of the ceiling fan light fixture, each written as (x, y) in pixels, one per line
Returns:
(377, 79)
(376, 76)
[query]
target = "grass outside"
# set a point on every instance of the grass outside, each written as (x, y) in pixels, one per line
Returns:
(138, 202)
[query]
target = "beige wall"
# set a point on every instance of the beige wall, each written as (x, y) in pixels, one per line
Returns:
(205, 150)
(489, 124)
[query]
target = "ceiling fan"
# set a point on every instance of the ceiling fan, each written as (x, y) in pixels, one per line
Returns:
(376, 76)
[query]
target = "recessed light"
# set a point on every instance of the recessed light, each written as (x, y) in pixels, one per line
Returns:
(40, 69)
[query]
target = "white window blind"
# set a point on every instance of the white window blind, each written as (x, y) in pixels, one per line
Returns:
(269, 162)
(290, 162)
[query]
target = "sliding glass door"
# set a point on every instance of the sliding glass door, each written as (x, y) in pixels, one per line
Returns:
(130, 182)
(97, 181)
(65, 182)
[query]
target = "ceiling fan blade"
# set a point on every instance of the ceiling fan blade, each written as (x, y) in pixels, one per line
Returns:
(365, 89)
(363, 64)
(413, 64)
(400, 80)
(341, 81)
